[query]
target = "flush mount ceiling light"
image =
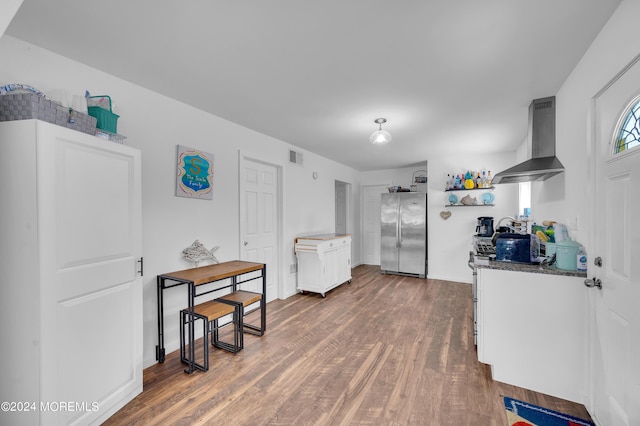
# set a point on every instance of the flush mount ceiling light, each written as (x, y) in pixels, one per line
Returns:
(380, 137)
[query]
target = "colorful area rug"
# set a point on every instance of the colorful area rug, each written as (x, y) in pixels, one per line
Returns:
(521, 413)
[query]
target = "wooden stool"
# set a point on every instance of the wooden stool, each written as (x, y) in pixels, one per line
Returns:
(210, 312)
(241, 299)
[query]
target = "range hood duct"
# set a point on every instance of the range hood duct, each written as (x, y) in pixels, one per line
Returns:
(542, 135)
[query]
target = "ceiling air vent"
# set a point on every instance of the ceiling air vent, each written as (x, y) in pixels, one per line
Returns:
(295, 157)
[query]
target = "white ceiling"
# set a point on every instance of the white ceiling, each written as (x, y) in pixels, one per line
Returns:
(449, 75)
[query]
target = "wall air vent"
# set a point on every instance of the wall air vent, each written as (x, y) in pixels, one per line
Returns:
(295, 157)
(543, 105)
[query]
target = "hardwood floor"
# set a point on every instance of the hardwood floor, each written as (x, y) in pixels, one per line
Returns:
(383, 350)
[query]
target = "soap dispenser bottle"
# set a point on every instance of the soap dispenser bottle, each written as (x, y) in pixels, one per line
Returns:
(581, 260)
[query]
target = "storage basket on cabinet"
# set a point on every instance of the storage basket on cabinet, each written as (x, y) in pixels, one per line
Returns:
(25, 106)
(100, 108)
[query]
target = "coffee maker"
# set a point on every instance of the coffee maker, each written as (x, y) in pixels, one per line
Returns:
(484, 227)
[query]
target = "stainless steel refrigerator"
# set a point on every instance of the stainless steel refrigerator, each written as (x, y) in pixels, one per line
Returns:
(403, 234)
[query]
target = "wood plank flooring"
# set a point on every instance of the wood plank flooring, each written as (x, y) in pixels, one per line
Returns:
(383, 350)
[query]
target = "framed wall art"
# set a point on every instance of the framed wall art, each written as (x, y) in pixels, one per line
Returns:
(194, 177)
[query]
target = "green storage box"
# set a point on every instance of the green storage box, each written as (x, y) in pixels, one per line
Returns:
(100, 108)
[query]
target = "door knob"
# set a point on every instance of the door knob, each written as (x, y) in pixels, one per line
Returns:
(593, 282)
(245, 243)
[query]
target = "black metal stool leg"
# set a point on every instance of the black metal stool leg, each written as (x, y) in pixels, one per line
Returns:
(205, 337)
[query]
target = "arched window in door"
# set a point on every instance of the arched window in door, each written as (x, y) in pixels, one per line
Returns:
(628, 131)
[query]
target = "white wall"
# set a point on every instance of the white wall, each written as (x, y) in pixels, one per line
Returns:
(156, 124)
(567, 197)
(310, 205)
(7, 12)
(450, 239)
(393, 177)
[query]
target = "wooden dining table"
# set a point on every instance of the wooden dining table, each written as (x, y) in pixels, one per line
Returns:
(194, 278)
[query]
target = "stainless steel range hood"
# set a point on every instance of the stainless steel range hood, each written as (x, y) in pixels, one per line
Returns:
(542, 136)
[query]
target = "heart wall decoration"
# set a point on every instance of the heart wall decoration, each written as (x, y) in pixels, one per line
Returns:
(445, 214)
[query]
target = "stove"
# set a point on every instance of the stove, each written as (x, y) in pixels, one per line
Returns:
(483, 252)
(483, 246)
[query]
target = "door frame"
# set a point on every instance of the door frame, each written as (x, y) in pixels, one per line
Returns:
(347, 203)
(245, 156)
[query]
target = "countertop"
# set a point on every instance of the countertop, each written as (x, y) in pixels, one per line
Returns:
(323, 237)
(536, 269)
(319, 237)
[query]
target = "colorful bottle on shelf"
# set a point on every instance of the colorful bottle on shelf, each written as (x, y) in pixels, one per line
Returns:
(468, 181)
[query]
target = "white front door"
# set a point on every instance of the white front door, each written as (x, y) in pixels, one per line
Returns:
(259, 220)
(614, 340)
(371, 223)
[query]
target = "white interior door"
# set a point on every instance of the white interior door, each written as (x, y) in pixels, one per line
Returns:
(371, 223)
(259, 220)
(90, 215)
(615, 335)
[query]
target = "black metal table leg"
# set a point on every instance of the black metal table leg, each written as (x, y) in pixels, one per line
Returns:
(160, 354)
(192, 349)
(263, 301)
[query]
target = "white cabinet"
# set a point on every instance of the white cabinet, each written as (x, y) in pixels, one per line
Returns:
(324, 262)
(531, 330)
(71, 294)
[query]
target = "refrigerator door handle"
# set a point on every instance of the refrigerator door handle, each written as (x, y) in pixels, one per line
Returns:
(399, 226)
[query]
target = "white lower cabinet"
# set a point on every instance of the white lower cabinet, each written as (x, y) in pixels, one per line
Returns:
(324, 262)
(531, 330)
(71, 294)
